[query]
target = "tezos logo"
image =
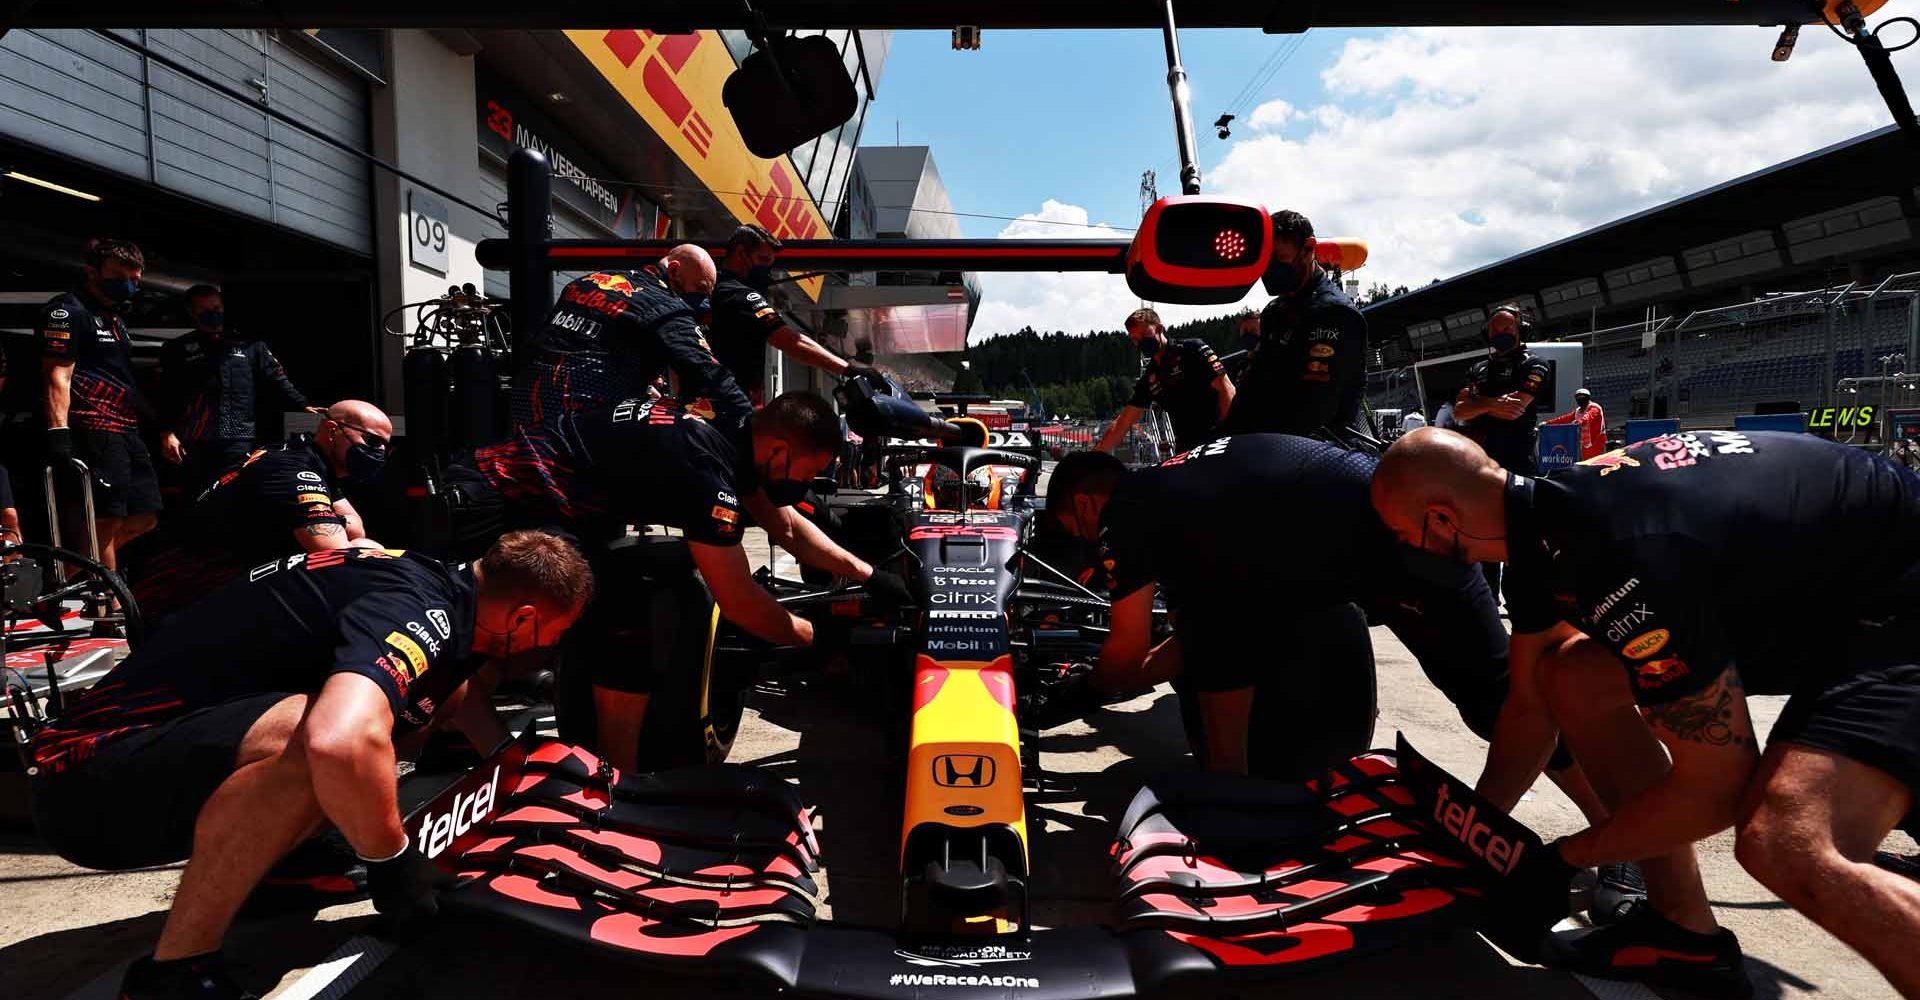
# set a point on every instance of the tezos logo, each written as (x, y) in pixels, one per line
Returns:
(311, 477)
(440, 624)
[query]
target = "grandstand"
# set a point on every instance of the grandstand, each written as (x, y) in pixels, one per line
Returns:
(1684, 307)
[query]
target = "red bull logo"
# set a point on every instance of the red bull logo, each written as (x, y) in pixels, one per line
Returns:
(1612, 462)
(1655, 673)
(613, 283)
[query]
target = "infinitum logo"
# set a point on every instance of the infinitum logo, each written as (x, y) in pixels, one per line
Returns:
(1500, 853)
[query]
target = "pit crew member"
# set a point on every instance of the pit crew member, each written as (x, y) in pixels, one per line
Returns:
(272, 709)
(612, 334)
(1496, 406)
(1267, 551)
(86, 362)
(1497, 403)
(1309, 372)
(1182, 377)
(1675, 577)
(213, 383)
(745, 321)
(649, 462)
(274, 502)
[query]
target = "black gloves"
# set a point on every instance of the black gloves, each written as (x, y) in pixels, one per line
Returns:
(889, 591)
(404, 889)
(870, 374)
(59, 444)
(1063, 691)
(1527, 901)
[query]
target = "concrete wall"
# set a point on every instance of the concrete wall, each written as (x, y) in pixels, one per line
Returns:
(424, 122)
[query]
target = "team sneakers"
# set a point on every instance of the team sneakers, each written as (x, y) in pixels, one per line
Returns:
(1642, 945)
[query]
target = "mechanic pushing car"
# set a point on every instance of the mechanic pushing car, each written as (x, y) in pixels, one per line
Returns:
(1183, 378)
(1265, 544)
(1308, 376)
(87, 365)
(275, 502)
(211, 382)
(270, 709)
(612, 334)
(744, 322)
(649, 462)
(1675, 577)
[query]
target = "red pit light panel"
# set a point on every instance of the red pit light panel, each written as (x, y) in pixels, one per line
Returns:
(1197, 250)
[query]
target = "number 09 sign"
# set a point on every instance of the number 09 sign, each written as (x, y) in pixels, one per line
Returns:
(427, 232)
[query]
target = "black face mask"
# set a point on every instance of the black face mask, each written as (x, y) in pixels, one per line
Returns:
(759, 277)
(1503, 343)
(783, 492)
(1149, 346)
(1432, 568)
(513, 663)
(364, 462)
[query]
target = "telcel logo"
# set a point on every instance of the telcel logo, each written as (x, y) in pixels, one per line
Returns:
(1500, 853)
(437, 833)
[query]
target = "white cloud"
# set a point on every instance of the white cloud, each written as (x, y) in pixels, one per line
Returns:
(1447, 149)
(1270, 116)
(1076, 301)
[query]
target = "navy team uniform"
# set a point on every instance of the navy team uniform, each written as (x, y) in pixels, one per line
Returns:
(102, 403)
(591, 474)
(1793, 560)
(1268, 550)
(1508, 442)
(610, 337)
(124, 773)
(246, 517)
(743, 321)
(1308, 372)
(212, 385)
(1180, 380)
(638, 462)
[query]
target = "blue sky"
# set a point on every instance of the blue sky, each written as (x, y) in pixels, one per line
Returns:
(1073, 115)
(1444, 149)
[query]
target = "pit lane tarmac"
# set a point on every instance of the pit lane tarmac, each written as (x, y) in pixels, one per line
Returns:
(65, 931)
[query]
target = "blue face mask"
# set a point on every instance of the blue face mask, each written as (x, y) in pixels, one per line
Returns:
(700, 304)
(212, 319)
(759, 277)
(116, 290)
(1503, 342)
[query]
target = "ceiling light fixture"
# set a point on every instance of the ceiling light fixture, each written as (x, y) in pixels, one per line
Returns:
(51, 186)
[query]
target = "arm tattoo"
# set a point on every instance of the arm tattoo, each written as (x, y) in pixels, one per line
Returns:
(323, 530)
(1709, 716)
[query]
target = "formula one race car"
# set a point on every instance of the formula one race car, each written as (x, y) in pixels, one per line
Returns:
(711, 868)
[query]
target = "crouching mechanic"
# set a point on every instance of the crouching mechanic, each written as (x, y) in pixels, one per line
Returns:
(276, 502)
(649, 462)
(270, 709)
(614, 334)
(1657, 586)
(1265, 545)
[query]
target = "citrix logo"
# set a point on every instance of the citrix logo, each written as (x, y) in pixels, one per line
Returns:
(1499, 853)
(437, 833)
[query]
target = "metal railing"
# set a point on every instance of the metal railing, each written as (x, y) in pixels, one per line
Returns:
(1842, 345)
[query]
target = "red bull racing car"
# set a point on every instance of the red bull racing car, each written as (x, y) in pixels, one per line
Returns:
(711, 868)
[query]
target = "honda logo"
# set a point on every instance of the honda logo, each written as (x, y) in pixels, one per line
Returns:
(957, 770)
